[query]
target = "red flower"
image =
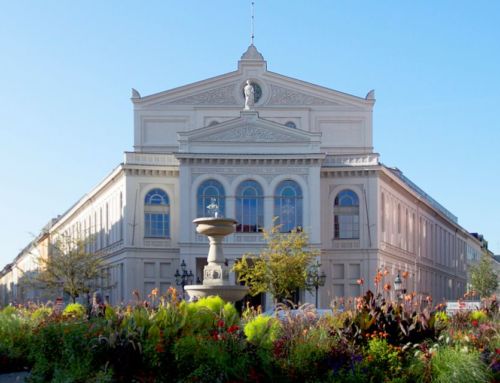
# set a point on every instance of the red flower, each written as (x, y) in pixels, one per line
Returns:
(159, 347)
(220, 323)
(387, 286)
(475, 323)
(232, 329)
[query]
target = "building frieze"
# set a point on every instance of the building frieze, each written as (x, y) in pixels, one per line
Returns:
(284, 96)
(218, 96)
(249, 133)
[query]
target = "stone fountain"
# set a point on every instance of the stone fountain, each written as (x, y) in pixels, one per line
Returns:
(216, 273)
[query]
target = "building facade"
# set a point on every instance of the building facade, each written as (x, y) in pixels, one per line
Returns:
(302, 153)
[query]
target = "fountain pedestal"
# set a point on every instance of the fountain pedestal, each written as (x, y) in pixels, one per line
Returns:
(216, 273)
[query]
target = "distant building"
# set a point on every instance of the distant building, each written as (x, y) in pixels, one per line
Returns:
(301, 152)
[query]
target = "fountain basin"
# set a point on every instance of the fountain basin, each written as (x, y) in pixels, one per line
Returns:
(212, 226)
(229, 293)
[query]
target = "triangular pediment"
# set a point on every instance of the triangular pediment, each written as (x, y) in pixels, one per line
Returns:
(227, 90)
(249, 132)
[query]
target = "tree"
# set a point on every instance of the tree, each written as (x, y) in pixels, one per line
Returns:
(280, 268)
(71, 268)
(484, 280)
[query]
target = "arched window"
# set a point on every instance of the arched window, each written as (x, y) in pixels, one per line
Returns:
(291, 124)
(346, 215)
(249, 207)
(156, 214)
(208, 192)
(288, 205)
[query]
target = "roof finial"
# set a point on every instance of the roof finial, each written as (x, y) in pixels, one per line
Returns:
(252, 25)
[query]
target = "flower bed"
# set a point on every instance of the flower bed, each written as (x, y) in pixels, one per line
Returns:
(209, 341)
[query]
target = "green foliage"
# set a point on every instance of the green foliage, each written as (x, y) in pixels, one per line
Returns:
(15, 337)
(399, 323)
(280, 268)
(484, 280)
(451, 364)
(74, 310)
(262, 331)
(205, 342)
(40, 314)
(383, 361)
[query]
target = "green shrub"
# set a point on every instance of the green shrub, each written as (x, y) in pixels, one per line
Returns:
(451, 364)
(15, 338)
(382, 360)
(262, 331)
(40, 314)
(75, 310)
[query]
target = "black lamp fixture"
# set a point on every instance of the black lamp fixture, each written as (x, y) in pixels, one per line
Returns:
(184, 277)
(398, 286)
(315, 278)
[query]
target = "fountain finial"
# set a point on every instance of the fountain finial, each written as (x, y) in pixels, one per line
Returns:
(213, 208)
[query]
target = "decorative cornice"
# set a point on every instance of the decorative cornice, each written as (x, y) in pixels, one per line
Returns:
(250, 159)
(145, 171)
(337, 173)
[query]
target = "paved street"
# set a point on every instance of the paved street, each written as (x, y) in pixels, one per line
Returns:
(13, 377)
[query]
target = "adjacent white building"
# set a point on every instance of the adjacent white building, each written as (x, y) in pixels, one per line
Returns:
(302, 153)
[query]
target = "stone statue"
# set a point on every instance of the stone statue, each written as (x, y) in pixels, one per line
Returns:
(213, 208)
(249, 95)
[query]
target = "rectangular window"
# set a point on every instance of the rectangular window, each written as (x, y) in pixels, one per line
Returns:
(156, 225)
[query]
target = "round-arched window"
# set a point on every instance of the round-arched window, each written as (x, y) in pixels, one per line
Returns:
(288, 206)
(211, 196)
(249, 207)
(346, 215)
(157, 214)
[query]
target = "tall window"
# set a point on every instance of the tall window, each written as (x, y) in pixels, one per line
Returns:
(346, 215)
(210, 191)
(156, 214)
(288, 206)
(249, 207)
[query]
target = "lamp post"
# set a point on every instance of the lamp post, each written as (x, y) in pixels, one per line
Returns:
(398, 286)
(315, 278)
(184, 277)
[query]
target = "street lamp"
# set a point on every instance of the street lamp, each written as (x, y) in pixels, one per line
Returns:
(398, 286)
(315, 278)
(184, 278)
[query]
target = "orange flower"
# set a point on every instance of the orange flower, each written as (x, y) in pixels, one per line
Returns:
(386, 271)
(155, 292)
(387, 287)
(408, 298)
(405, 274)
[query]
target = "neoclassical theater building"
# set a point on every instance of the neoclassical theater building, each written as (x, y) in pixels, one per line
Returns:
(302, 153)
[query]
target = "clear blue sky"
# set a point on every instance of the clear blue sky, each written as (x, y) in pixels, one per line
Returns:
(66, 70)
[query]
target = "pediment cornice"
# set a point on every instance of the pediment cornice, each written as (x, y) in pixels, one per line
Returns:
(248, 132)
(249, 127)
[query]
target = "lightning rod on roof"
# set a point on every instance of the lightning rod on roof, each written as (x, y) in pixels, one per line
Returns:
(252, 24)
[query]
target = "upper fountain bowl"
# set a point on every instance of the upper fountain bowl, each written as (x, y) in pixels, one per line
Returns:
(215, 226)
